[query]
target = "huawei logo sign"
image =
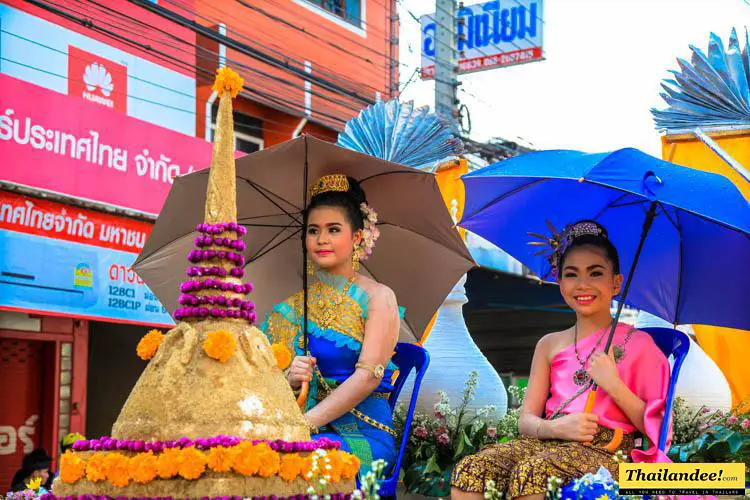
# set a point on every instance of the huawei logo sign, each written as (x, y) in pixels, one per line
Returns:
(97, 79)
(96, 76)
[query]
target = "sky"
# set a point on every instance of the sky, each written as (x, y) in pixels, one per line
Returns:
(604, 61)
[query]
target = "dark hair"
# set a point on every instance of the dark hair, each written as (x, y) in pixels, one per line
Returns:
(601, 242)
(349, 201)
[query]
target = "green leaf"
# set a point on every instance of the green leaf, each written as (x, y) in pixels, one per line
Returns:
(413, 478)
(464, 445)
(431, 466)
(477, 439)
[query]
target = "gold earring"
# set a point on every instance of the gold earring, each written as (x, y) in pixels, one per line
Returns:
(310, 267)
(355, 260)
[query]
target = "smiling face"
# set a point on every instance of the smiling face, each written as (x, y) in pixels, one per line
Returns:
(330, 239)
(588, 281)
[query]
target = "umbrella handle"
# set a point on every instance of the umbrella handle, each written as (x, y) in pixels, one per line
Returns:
(616, 440)
(302, 398)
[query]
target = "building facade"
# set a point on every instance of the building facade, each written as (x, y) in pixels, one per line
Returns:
(104, 104)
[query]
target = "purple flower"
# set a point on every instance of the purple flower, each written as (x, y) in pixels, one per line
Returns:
(731, 420)
(745, 424)
(444, 439)
(421, 432)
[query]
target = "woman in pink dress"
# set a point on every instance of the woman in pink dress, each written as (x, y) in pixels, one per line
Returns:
(558, 439)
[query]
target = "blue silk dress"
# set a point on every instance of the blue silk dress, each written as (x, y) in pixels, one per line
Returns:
(337, 311)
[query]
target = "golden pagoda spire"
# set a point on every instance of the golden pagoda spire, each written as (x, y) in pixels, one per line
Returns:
(221, 195)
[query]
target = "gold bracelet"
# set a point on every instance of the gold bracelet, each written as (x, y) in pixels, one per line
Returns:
(377, 370)
(312, 427)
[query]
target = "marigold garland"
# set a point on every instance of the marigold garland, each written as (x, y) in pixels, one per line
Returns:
(95, 468)
(117, 468)
(191, 463)
(169, 463)
(95, 471)
(291, 467)
(283, 356)
(245, 461)
(220, 459)
(269, 460)
(229, 80)
(220, 345)
(144, 467)
(149, 344)
(72, 467)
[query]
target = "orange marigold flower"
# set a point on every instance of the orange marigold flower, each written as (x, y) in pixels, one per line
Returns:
(306, 466)
(351, 465)
(220, 345)
(269, 460)
(229, 80)
(95, 470)
(72, 467)
(192, 463)
(149, 344)
(117, 468)
(283, 356)
(291, 466)
(143, 467)
(168, 464)
(220, 459)
(246, 459)
(337, 465)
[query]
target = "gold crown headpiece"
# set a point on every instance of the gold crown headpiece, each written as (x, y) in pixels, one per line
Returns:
(334, 182)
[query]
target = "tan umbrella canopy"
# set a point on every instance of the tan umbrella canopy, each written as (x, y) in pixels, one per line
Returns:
(419, 253)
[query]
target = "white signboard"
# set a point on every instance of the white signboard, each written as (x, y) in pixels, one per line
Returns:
(490, 35)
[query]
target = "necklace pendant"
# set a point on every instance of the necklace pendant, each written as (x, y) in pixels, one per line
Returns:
(619, 353)
(581, 377)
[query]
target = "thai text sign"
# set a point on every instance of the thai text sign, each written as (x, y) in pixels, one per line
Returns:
(490, 35)
(64, 260)
(68, 145)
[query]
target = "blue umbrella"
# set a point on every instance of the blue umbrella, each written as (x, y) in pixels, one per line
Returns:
(687, 231)
(693, 226)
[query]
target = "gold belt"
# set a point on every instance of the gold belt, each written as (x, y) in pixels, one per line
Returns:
(326, 389)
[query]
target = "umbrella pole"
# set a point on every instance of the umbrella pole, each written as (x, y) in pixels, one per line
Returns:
(591, 398)
(302, 398)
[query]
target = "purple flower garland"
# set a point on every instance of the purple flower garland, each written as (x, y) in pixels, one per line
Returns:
(207, 241)
(216, 271)
(111, 444)
(214, 284)
(215, 312)
(192, 300)
(211, 277)
(196, 256)
(222, 227)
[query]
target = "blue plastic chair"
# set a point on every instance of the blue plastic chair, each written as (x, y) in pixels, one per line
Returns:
(674, 343)
(408, 358)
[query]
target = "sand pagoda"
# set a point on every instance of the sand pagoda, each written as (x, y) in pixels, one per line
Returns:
(212, 415)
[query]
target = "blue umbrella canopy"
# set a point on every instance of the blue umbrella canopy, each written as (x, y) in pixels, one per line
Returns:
(695, 262)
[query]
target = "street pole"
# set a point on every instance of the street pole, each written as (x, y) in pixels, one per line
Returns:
(446, 72)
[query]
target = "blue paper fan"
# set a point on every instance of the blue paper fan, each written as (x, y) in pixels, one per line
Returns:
(709, 91)
(399, 133)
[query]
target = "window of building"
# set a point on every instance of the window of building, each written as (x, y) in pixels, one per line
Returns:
(248, 131)
(348, 10)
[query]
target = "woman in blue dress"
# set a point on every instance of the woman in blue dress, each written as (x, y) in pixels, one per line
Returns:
(353, 325)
